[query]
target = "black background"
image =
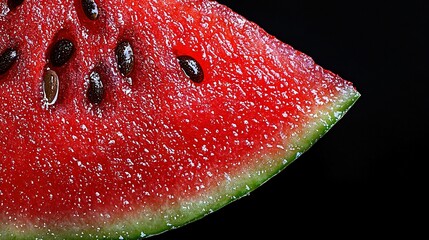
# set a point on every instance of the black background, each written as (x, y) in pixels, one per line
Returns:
(365, 176)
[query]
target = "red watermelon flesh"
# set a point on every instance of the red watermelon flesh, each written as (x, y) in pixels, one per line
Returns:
(136, 152)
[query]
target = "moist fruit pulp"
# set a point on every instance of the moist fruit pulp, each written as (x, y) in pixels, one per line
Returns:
(141, 145)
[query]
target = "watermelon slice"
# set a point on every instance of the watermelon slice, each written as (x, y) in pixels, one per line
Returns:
(125, 119)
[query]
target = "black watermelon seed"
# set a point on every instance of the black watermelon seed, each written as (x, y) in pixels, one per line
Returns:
(7, 58)
(95, 92)
(51, 86)
(90, 9)
(12, 4)
(61, 52)
(191, 68)
(125, 58)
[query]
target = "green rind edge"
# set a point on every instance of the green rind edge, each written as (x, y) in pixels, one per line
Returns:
(246, 185)
(238, 187)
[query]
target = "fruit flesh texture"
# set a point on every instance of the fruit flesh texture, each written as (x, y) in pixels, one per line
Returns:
(160, 150)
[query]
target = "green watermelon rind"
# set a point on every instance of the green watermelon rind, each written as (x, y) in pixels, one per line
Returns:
(241, 185)
(190, 210)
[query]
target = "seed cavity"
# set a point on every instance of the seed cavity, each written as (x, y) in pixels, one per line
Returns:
(125, 58)
(13, 4)
(95, 92)
(191, 68)
(90, 9)
(61, 52)
(50, 86)
(7, 59)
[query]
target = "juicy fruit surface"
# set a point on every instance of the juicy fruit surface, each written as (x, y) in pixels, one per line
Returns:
(156, 149)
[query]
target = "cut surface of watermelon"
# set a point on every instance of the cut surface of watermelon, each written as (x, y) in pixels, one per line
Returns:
(125, 119)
